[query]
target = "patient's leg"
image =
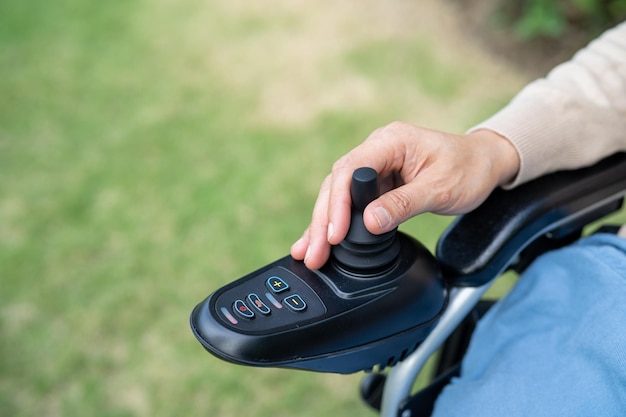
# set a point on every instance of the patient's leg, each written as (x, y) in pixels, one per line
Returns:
(556, 345)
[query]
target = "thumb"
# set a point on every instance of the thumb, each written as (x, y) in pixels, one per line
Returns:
(391, 209)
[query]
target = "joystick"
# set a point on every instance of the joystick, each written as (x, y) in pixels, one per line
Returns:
(362, 252)
(369, 306)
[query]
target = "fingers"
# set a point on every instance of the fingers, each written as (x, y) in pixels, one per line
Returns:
(300, 247)
(330, 220)
(313, 246)
(388, 211)
(319, 249)
(315, 252)
(375, 153)
(419, 170)
(400, 204)
(338, 203)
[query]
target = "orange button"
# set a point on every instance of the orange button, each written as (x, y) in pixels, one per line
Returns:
(258, 304)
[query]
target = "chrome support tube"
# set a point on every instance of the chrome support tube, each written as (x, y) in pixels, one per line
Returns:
(402, 377)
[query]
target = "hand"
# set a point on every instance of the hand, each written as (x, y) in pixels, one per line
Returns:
(419, 170)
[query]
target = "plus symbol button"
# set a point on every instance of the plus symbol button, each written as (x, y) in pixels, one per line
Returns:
(277, 284)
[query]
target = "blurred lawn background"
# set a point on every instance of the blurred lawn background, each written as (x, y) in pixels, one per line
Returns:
(151, 151)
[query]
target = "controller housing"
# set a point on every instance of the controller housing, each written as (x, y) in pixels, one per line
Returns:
(368, 307)
(324, 320)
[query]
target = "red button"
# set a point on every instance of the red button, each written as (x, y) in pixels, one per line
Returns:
(242, 309)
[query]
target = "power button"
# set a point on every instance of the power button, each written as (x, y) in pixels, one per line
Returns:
(242, 309)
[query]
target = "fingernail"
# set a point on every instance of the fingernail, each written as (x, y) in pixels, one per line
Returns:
(306, 255)
(331, 231)
(383, 218)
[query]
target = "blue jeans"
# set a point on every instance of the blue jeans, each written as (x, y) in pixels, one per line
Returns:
(554, 346)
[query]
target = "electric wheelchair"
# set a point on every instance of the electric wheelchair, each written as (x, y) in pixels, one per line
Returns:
(384, 304)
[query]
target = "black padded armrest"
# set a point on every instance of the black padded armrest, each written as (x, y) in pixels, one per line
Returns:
(480, 245)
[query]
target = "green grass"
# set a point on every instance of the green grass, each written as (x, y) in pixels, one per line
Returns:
(138, 173)
(389, 60)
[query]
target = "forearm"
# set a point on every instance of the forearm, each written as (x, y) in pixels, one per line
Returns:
(574, 116)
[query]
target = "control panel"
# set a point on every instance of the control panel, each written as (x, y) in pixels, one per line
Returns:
(371, 305)
(270, 301)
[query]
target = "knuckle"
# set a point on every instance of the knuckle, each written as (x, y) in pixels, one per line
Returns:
(446, 196)
(339, 164)
(396, 125)
(443, 199)
(402, 204)
(390, 130)
(342, 163)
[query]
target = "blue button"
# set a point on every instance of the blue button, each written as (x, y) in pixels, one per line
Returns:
(295, 303)
(258, 304)
(276, 284)
(242, 309)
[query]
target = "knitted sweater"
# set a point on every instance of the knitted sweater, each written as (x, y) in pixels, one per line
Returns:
(573, 117)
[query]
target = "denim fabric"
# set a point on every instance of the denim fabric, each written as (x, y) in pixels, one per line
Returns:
(554, 346)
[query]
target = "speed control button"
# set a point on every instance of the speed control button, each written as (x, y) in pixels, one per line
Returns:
(242, 309)
(295, 303)
(276, 284)
(258, 304)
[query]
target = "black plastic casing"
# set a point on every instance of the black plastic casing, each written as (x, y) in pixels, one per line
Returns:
(352, 322)
(547, 212)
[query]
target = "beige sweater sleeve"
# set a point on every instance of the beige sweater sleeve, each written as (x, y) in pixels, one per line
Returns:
(573, 117)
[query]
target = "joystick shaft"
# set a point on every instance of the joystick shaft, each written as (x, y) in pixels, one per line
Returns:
(362, 252)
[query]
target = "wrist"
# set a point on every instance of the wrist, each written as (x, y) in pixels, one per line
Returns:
(503, 155)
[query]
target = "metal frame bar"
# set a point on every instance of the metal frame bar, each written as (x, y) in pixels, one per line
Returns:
(402, 377)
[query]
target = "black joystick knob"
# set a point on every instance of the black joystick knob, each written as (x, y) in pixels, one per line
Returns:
(363, 252)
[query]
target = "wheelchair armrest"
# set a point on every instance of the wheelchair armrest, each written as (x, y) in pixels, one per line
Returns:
(480, 245)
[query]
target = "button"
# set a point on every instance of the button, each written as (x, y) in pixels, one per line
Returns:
(243, 310)
(295, 303)
(258, 304)
(277, 284)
